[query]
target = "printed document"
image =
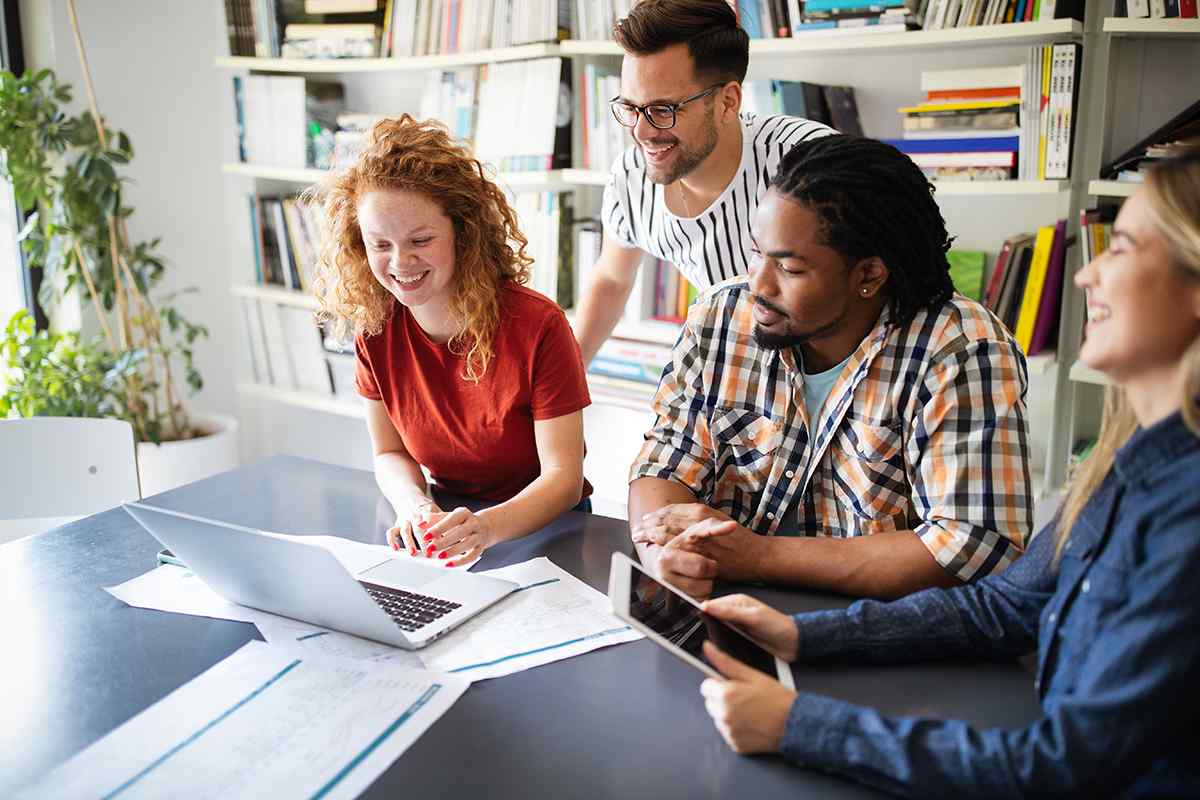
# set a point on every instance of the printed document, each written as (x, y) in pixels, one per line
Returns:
(553, 616)
(262, 723)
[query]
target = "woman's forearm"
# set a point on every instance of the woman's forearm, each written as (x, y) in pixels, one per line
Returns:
(400, 479)
(556, 490)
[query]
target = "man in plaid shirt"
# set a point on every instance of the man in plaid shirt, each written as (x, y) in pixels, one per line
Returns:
(840, 419)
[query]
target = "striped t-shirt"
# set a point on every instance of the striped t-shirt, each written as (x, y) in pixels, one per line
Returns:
(712, 246)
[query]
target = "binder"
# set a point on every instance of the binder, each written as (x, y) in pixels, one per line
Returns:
(1032, 296)
(1046, 325)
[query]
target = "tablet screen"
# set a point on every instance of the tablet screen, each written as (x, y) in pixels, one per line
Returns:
(663, 611)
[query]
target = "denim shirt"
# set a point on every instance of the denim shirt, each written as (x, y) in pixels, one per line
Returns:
(1117, 629)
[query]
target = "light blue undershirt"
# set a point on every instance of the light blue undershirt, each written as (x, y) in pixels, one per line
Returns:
(817, 387)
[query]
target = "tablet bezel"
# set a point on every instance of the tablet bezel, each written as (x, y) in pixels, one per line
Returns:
(618, 594)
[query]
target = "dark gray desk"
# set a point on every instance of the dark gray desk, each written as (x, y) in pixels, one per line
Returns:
(627, 721)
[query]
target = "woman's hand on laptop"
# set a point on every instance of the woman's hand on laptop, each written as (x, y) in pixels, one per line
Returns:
(406, 533)
(455, 537)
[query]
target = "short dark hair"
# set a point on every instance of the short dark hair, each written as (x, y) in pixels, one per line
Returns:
(719, 48)
(872, 200)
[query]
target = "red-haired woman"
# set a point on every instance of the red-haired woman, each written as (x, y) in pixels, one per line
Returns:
(465, 371)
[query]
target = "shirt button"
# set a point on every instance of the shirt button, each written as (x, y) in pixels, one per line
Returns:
(1087, 585)
(770, 515)
(1037, 685)
(1051, 618)
(790, 474)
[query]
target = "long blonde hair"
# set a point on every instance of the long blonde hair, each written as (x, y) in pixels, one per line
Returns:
(1173, 190)
(419, 156)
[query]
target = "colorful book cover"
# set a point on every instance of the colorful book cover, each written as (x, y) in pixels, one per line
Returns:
(1046, 325)
(1032, 297)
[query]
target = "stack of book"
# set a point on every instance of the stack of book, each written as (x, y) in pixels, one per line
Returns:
(834, 106)
(304, 28)
(1159, 9)
(524, 116)
(1095, 229)
(1164, 141)
(640, 363)
(546, 219)
(287, 348)
(997, 123)
(831, 17)
(351, 136)
(968, 125)
(287, 121)
(451, 96)
(1025, 288)
(287, 236)
(431, 27)
(938, 14)
(604, 139)
(594, 20)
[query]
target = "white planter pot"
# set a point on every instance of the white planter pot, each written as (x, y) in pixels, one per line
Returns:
(165, 466)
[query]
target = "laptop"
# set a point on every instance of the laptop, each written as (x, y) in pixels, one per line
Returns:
(399, 602)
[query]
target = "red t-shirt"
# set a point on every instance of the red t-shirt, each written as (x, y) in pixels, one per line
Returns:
(477, 439)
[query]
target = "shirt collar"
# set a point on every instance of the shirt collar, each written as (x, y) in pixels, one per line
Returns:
(1151, 449)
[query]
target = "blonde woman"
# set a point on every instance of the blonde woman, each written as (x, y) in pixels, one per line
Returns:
(464, 370)
(1109, 596)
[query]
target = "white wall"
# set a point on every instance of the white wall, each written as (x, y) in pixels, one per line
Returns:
(152, 65)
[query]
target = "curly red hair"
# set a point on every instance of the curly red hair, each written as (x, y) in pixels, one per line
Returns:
(419, 156)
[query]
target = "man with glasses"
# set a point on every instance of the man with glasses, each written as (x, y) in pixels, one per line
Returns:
(688, 188)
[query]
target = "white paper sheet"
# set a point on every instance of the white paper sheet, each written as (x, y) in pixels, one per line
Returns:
(262, 723)
(554, 616)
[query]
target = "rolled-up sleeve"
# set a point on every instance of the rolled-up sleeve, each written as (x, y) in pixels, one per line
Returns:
(968, 452)
(679, 447)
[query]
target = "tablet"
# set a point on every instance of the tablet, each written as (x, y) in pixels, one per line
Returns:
(673, 620)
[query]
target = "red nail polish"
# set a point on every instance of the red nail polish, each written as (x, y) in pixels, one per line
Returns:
(442, 554)
(423, 524)
(429, 551)
(449, 563)
(429, 537)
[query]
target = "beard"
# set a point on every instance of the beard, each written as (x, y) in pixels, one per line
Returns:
(687, 158)
(791, 338)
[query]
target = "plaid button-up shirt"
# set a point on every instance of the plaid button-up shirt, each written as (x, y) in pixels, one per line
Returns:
(924, 430)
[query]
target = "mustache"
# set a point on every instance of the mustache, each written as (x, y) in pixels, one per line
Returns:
(769, 306)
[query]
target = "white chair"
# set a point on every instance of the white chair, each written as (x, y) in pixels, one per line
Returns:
(58, 469)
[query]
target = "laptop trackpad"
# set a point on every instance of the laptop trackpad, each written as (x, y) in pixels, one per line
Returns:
(401, 574)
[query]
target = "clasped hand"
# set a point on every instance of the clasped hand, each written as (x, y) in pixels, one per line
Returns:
(454, 537)
(694, 544)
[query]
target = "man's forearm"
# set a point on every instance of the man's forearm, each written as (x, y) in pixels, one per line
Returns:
(600, 307)
(881, 565)
(651, 494)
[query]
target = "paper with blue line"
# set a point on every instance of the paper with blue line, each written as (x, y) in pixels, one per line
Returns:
(262, 723)
(555, 616)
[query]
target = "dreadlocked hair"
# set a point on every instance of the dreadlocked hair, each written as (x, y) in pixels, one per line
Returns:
(872, 200)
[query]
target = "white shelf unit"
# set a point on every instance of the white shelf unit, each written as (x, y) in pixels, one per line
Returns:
(1112, 188)
(1135, 26)
(275, 294)
(543, 180)
(1016, 33)
(768, 52)
(307, 400)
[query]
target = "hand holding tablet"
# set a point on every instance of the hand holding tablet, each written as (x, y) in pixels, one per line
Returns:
(674, 621)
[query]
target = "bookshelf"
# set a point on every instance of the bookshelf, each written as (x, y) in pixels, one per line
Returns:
(1134, 26)
(909, 51)
(275, 294)
(1112, 188)
(543, 181)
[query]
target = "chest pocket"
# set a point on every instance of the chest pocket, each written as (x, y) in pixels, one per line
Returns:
(1101, 588)
(870, 472)
(745, 444)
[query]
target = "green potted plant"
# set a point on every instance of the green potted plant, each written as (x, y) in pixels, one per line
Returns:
(65, 173)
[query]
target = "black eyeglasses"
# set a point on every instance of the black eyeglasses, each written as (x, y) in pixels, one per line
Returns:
(660, 115)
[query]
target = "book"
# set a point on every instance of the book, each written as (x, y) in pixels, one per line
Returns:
(966, 271)
(955, 144)
(1014, 284)
(843, 109)
(1006, 258)
(1186, 122)
(1064, 100)
(1032, 296)
(982, 159)
(302, 342)
(972, 79)
(1046, 324)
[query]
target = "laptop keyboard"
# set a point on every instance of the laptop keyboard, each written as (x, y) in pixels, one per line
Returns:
(409, 610)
